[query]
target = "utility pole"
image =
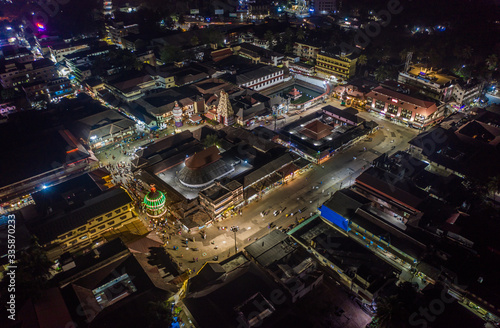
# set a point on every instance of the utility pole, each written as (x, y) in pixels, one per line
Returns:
(235, 229)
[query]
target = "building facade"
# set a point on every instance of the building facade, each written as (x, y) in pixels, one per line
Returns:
(59, 51)
(80, 228)
(343, 66)
(324, 7)
(305, 50)
(221, 196)
(429, 83)
(404, 108)
(261, 78)
(13, 74)
(118, 30)
(465, 93)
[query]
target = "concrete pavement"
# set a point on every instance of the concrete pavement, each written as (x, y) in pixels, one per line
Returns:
(308, 190)
(338, 172)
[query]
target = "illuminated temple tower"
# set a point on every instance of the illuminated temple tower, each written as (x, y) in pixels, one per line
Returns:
(225, 113)
(154, 203)
(177, 113)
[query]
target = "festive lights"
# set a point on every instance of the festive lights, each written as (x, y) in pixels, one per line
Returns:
(154, 203)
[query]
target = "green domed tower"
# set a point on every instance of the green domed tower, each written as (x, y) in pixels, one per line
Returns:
(154, 203)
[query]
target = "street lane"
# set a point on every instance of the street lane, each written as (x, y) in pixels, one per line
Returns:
(338, 172)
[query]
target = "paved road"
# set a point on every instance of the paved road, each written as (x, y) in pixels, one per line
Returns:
(308, 190)
(338, 172)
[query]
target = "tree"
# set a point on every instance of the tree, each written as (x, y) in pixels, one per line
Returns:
(362, 60)
(195, 41)
(211, 140)
(159, 315)
(32, 273)
(462, 52)
(300, 34)
(388, 312)
(214, 36)
(288, 36)
(171, 53)
(493, 185)
(467, 52)
(383, 73)
(269, 37)
(492, 62)
(288, 48)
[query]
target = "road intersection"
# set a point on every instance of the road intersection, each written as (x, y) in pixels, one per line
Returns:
(308, 190)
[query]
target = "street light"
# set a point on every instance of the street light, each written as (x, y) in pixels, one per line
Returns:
(235, 229)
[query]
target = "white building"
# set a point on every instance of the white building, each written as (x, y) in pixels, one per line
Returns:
(258, 79)
(466, 93)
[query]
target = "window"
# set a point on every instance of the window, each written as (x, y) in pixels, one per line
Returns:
(109, 215)
(118, 211)
(111, 222)
(101, 227)
(124, 208)
(379, 105)
(81, 229)
(406, 113)
(123, 217)
(392, 109)
(92, 231)
(419, 118)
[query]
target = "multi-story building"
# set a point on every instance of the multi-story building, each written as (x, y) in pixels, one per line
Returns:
(343, 65)
(58, 88)
(107, 8)
(259, 9)
(465, 93)
(164, 75)
(300, 68)
(19, 54)
(131, 88)
(80, 63)
(45, 91)
(261, 77)
(324, 6)
(13, 74)
(429, 83)
(58, 51)
(79, 228)
(221, 196)
(394, 105)
(305, 50)
(118, 30)
(258, 55)
(55, 155)
(104, 128)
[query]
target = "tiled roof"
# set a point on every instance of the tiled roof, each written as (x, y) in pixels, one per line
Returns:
(203, 158)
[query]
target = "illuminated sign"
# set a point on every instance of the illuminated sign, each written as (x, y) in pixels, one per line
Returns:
(394, 100)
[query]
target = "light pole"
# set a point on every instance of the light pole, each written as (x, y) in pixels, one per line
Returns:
(235, 230)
